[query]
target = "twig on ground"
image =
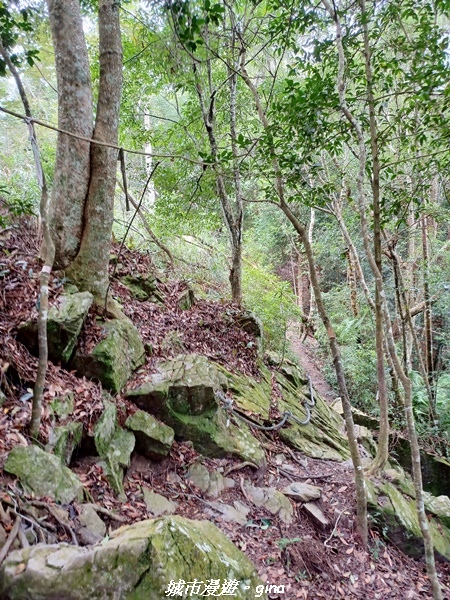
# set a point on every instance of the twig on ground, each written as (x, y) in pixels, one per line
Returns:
(334, 529)
(12, 536)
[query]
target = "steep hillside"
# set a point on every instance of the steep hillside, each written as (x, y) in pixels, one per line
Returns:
(312, 552)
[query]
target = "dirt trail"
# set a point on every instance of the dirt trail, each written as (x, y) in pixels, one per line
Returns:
(306, 354)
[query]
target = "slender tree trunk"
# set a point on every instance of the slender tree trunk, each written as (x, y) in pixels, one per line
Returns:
(360, 483)
(233, 219)
(90, 268)
(383, 439)
(405, 381)
(75, 114)
(427, 315)
(48, 259)
(236, 258)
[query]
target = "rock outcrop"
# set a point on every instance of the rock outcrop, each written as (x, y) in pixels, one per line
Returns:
(182, 395)
(114, 358)
(65, 320)
(137, 562)
(393, 507)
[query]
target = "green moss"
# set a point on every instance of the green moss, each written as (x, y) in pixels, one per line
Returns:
(398, 515)
(137, 562)
(115, 357)
(43, 474)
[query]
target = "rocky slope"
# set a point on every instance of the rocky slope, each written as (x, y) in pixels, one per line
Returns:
(157, 414)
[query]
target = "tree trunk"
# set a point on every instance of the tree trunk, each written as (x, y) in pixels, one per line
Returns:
(83, 190)
(233, 218)
(75, 114)
(90, 268)
(403, 377)
(360, 482)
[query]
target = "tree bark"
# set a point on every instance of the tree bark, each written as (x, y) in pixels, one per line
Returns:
(38, 391)
(90, 268)
(75, 114)
(403, 377)
(233, 218)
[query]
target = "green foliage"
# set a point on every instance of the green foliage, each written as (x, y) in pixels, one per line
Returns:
(271, 299)
(15, 21)
(420, 401)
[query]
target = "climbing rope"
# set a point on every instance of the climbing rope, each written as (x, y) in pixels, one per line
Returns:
(227, 404)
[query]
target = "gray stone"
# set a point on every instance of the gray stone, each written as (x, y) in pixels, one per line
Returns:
(143, 287)
(186, 299)
(397, 514)
(117, 457)
(213, 484)
(153, 438)
(234, 514)
(92, 528)
(250, 323)
(114, 446)
(315, 512)
(182, 394)
(64, 439)
(271, 499)
(105, 427)
(65, 320)
(43, 474)
(115, 357)
(137, 562)
(302, 491)
(439, 506)
(157, 504)
(198, 475)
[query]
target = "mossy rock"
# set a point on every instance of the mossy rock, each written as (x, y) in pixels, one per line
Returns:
(105, 427)
(137, 562)
(64, 324)
(114, 446)
(117, 457)
(64, 439)
(322, 438)
(143, 288)
(182, 395)
(43, 474)
(114, 358)
(62, 407)
(186, 299)
(396, 514)
(153, 438)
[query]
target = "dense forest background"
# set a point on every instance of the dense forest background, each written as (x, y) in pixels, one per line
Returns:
(211, 206)
(292, 156)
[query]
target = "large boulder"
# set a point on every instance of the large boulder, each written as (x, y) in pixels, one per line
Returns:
(322, 437)
(393, 507)
(43, 474)
(115, 357)
(143, 561)
(65, 320)
(182, 394)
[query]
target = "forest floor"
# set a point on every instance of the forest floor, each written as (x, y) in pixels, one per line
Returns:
(308, 561)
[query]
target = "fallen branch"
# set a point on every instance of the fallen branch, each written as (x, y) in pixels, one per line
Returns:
(12, 536)
(54, 514)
